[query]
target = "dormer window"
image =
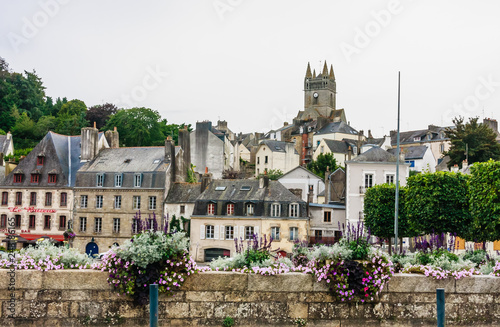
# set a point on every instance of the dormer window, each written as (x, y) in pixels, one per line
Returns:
(294, 210)
(39, 160)
(230, 209)
(118, 180)
(137, 180)
(18, 178)
(250, 209)
(275, 210)
(52, 178)
(35, 178)
(211, 209)
(100, 180)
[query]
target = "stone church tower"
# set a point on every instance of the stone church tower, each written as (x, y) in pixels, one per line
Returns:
(320, 93)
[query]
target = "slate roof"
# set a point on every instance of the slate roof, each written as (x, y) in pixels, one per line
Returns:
(275, 192)
(435, 133)
(133, 159)
(375, 154)
(61, 155)
(337, 146)
(183, 193)
(412, 152)
(302, 168)
(337, 127)
(275, 146)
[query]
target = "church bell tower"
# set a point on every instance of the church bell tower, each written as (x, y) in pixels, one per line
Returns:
(320, 92)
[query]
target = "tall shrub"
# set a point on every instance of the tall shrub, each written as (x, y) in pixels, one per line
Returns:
(438, 203)
(484, 186)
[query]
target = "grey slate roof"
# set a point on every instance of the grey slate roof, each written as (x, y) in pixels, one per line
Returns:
(275, 146)
(337, 146)
(275, 192)
(337, 127)
(183, 193)
(419, 135)
(375, 154)
(61, 156)
(133, 159)
(412, 152)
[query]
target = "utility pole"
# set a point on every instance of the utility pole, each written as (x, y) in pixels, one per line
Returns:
(396, 209)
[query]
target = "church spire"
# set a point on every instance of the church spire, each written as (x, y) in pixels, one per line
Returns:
(308, 71)
(325, 69)
(332, 75)
(314, 73)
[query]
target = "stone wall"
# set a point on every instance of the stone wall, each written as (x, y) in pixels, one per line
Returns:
(79, 298)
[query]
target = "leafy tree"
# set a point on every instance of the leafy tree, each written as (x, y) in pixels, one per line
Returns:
(100, 114)
(70, 124)
(137, 126)
(478, 139)
(274, 174)
(438, 203)
(23, 132)
(485, 201)
(73, 108)
(379, 205)
(323, 161)
(172, 130)
(44, 125)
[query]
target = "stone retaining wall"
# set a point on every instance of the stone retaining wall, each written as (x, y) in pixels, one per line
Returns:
(83, 297)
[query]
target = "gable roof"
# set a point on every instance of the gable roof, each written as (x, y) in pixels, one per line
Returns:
(412, 152)
(337, 127)
(231, 190)
(337, 146)
(435, 132)
(275, 146)
(183, 193)
(133, 159)
(304, 169)
(375, 154)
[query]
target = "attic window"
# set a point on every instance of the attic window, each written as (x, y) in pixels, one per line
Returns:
(277, 147)
(52, 178)
(220, 188)
(39, 161)
(245, 188)
(156, 161)
(18, 178)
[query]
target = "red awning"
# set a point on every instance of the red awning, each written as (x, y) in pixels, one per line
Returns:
(30, 237)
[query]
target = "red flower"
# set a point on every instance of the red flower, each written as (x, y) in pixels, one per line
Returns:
(367, 273)
(366, 295)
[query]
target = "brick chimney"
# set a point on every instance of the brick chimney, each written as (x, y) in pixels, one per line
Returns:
(206, 178)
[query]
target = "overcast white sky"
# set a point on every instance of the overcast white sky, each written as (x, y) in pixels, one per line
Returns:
(245, 61)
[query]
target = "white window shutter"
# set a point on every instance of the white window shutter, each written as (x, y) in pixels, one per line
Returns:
(256, 230)
(216, 232)
(222, 232)
(242, 232)
(202, 232)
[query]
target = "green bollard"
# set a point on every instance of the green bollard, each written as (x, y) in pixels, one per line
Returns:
(440, 306)
(153, 305)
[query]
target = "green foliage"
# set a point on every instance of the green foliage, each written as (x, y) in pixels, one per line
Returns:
(191, 176)
(323, 161)
(18, 153)
(359, 248)
(2, 132)
(438, 203)
(172, 130)
(73, 108)
(379, 205)
(479, 139)
(100, 114)
(274, 174)
(228, 322)
(484, 193)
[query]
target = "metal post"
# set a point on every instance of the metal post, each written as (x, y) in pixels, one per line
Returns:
(440, 306)
(153, 305)
(396, 206)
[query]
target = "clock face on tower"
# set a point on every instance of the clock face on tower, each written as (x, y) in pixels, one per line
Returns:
(315, 94)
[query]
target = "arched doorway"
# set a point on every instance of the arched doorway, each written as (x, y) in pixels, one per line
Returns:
(214, 253)
(92, 249)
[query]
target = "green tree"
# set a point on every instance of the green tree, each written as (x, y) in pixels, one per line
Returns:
(73, 108)
(484, 190)
(323, 161)
(44, 125)
(379, 206)
(23, 132)
(478, 140)
(137, 127)
(70, 124)
(438, 203)
(172, 130)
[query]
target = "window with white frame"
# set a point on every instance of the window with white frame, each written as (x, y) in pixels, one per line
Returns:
(230, 209)
(152, 203)
(294, 210)
(118, 201)
(116, 225)
(275, 210)
(83, 201)
(249, 231)
(322, 149)
(98, 201)
(135, 226)
(294, 233)
(100, 180)
(275, 233)
(118, 180)
(389, 178)
(229, 233)
(368, 180)
(83, 224)
(209, 231)
(250, 209)
(136, 202)
(211, 209)
(441, 148)
(98, 225)
(137, 180)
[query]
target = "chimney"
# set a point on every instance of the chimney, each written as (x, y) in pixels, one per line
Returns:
(169, 150)
(464, 164)
(327, 185)
(1, 159)
(185, 144)
(454, 168)
(310, 197)
(264, 180)
(113, 139)
(206, 178)
(349, 152)
(285, 123)
(89, 143)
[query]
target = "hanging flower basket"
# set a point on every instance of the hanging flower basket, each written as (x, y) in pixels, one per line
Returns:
(69, 235)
